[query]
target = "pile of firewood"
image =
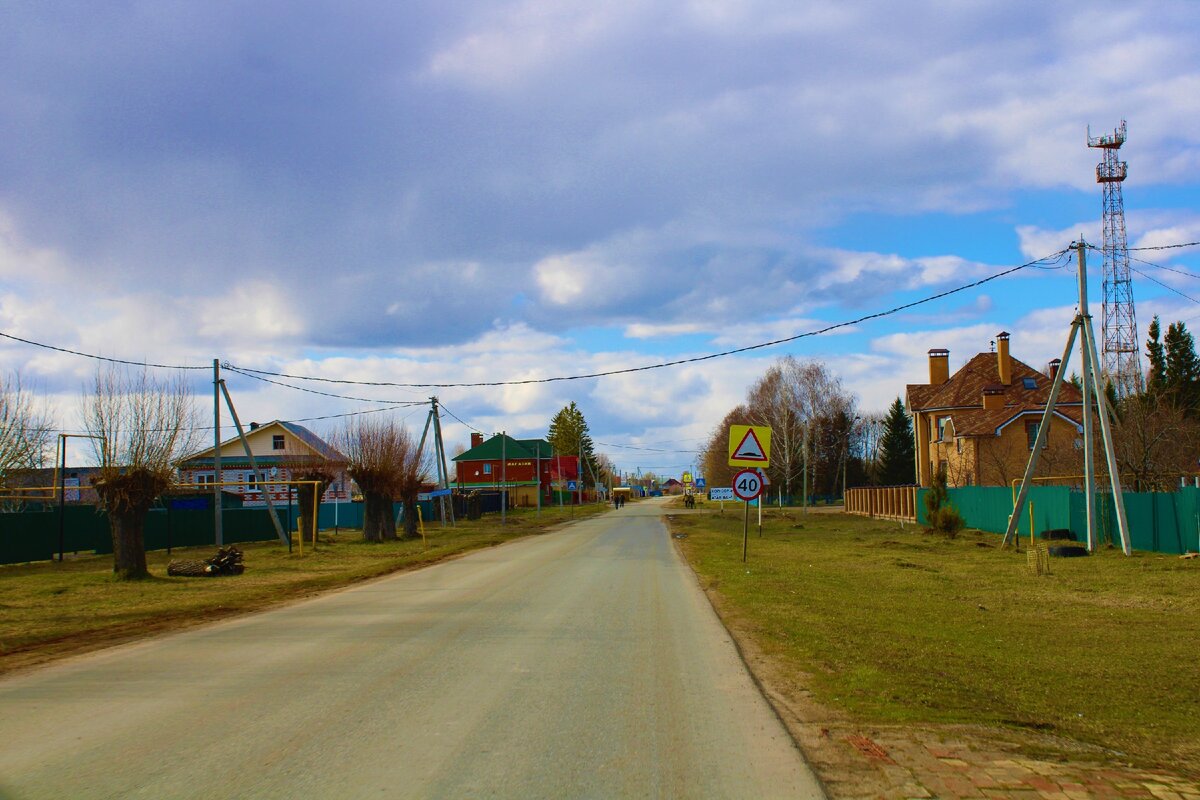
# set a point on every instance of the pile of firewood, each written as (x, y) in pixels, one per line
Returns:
(227, 561)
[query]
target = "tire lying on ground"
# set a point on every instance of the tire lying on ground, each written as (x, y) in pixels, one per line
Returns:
(1068, 550)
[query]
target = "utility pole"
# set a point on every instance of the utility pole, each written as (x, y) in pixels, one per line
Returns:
(1093, 390)
(579, 484)
(503, 478)
(441, 456)
(218, 534)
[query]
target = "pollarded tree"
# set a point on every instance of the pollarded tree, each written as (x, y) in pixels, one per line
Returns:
(897, 460)
(139, 427)
(309, 466)
(382, 457)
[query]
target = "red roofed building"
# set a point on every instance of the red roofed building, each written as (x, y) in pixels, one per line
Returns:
(981, 422)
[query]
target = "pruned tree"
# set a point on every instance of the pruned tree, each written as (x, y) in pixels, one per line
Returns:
(26, 430)
(381, 456)
(309, 466)
(139, 428)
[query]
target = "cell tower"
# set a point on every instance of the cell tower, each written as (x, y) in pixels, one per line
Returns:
(1122, 351)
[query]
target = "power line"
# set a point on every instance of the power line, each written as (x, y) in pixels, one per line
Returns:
(1167, 269)
(677, 362)
(442, 406)
(1165, 286)
(96, 357)
(325, 394)
(646, 449)
(1166, 246)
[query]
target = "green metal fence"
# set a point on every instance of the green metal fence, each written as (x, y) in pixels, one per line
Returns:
(1166, 522)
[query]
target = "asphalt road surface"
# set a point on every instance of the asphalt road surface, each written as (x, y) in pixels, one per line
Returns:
(582, 663)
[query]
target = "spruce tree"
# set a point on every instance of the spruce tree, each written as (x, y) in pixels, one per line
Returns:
(568, 434)
(1156, 378)
(1182, 374)
(897, 460)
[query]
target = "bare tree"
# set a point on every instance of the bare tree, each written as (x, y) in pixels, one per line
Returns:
(26, 430)
(139, 427)
(382, 458)
(311, 467)
(1155, 441)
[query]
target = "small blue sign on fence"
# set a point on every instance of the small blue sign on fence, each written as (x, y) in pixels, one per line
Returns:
(572, 486)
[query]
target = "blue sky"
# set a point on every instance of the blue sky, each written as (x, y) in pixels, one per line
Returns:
(481, 191)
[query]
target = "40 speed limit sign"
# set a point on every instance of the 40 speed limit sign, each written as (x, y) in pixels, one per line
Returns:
(747, 485)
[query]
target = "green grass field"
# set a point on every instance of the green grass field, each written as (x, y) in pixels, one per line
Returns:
(49, 609)
(896, 625)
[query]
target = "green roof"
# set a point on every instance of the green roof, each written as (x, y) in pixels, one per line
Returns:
(502, 446)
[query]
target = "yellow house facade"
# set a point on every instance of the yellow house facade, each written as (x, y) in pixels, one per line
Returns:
(280, 449)
(980, 423)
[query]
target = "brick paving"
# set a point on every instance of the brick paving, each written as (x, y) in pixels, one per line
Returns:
(906, 764)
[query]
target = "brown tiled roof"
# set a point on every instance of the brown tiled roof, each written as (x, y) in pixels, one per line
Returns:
(981, 422)
(962, 396)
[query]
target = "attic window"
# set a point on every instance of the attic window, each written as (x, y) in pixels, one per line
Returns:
(1030, 383)
(277, 441)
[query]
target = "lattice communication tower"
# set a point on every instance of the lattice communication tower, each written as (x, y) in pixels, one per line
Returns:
(1122, 355)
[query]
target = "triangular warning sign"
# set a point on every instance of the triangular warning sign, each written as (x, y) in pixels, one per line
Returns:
(750, 449)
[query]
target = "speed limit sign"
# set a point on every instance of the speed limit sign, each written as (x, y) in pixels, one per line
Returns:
(747, 484)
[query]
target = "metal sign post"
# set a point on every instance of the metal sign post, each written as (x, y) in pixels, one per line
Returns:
(747, 485)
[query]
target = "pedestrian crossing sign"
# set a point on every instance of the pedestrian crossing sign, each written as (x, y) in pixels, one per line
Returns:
(749, 446)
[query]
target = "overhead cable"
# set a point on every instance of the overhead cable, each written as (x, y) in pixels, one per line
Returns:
(96, 357)
(676, 362)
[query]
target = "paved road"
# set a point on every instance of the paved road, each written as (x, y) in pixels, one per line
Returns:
(583, 663)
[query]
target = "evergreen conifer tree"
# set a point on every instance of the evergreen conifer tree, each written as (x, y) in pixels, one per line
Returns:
(1182, 374)
(896, 462)
(568, 430)
(1156, 355)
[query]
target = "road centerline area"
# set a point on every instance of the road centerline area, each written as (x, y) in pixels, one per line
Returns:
(583, 663)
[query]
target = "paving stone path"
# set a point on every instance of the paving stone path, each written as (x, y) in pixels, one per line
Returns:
(905, 763)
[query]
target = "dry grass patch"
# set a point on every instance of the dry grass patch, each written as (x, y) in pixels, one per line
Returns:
(897, 626)
(48, 610)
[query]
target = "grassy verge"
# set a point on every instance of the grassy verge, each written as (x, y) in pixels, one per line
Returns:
(899, 626)
(48, 610)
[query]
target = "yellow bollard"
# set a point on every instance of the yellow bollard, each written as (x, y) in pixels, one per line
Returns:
(421, 525)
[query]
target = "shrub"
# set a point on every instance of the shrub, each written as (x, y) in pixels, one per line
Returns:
(939, 514)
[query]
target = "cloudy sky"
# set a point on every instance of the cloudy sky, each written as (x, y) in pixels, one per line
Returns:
(430, 192)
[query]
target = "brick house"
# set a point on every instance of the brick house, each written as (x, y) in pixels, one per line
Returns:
(981, 422)
(279, 449)
(525, 466)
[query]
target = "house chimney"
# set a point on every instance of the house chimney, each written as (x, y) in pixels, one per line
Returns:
(993, 397)
(939, 366)
(253, 426)
(1052, 370)
(476, 439)
(1003, 360)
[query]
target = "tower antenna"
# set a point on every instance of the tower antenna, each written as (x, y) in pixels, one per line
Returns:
(1121, 354)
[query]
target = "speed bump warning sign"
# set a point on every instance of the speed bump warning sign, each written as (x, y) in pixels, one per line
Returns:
(749, 446)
